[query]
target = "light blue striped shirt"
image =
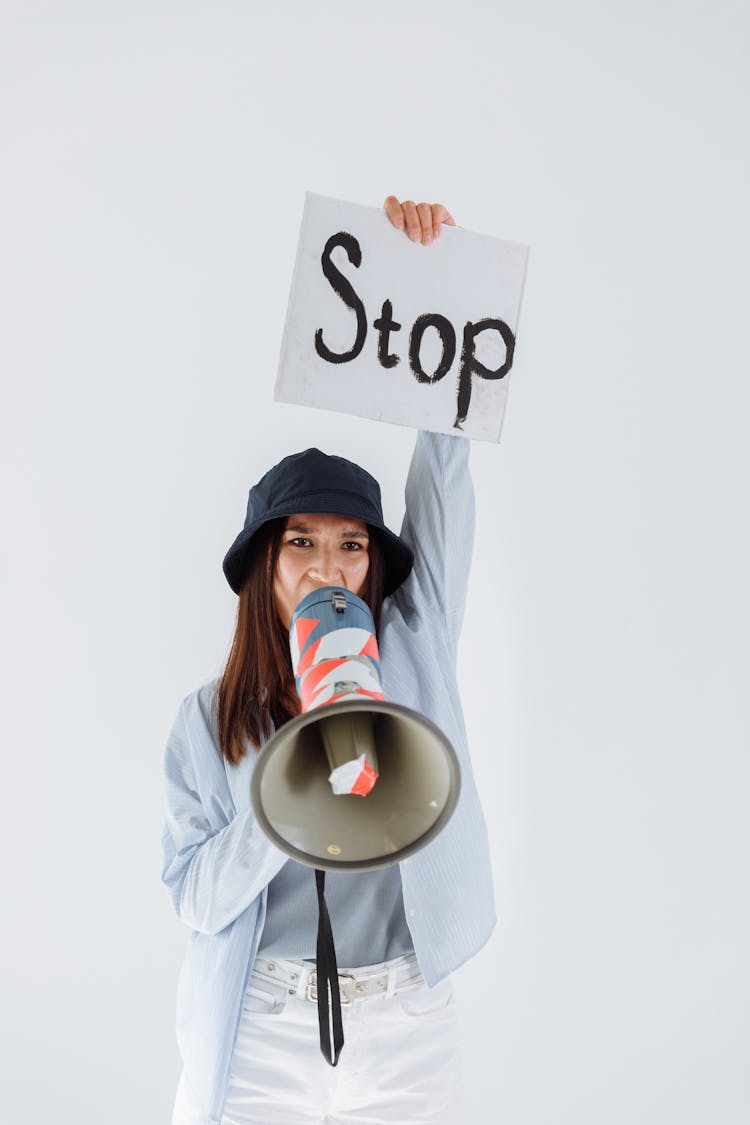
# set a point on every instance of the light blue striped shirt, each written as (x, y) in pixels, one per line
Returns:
(217, 863)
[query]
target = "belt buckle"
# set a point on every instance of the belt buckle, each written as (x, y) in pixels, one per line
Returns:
(312, 987)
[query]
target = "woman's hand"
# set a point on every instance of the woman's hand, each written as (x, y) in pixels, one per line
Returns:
(421, 221)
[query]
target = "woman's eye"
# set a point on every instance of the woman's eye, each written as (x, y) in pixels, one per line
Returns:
(304, 542)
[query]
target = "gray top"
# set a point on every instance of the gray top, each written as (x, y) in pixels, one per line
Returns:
(366, 910)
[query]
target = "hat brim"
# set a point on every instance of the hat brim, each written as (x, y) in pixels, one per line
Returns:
(398, 557)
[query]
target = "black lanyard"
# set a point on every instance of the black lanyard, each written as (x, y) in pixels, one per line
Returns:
(326, 975)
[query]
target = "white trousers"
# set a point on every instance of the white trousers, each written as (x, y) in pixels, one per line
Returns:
(400, 1062)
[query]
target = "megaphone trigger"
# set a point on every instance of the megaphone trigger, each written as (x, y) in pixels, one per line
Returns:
(349, 744)
(356, 776)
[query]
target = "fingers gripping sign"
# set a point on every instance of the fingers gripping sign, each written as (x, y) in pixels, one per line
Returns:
(421, 221)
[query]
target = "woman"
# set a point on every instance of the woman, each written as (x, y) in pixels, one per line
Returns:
(246, 1026)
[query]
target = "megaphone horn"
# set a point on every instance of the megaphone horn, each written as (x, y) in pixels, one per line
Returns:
(353, 782)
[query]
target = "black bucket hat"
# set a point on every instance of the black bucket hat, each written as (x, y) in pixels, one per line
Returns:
(317, 482)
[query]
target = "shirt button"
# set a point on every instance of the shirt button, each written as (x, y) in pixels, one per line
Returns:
(412, 912)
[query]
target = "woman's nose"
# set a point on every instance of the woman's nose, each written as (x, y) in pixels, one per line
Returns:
(326, 569)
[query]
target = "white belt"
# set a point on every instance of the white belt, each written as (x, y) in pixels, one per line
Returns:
(300, 978)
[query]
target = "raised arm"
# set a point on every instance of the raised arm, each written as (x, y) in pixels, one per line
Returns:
(214, 863)
(439, 527)
(439, 520)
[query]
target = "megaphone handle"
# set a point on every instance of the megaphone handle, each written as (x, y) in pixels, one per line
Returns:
(326, 975)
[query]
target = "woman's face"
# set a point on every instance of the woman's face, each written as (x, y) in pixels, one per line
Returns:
(319, 550)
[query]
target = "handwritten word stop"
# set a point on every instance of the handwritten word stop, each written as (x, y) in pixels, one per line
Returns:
(352, 265)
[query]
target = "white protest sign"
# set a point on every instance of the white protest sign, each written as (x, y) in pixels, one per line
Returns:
(386, 328)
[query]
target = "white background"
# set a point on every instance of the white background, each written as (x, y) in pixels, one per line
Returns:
(154, 162)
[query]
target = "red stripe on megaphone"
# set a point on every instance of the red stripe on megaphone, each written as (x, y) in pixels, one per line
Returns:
(313, 678)
(371, 649)
(308, 657)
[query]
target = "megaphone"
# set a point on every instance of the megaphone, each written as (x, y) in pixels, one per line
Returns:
(353, 782)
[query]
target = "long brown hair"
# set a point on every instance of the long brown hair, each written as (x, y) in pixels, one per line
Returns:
(256, 692)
